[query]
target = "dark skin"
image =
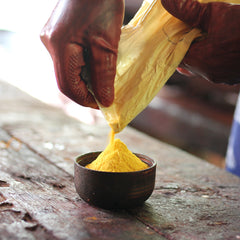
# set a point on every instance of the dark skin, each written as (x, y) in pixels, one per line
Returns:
(82, 38)
(215, 57)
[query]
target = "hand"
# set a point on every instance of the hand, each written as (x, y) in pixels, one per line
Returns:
(82, 38)
(216, 57)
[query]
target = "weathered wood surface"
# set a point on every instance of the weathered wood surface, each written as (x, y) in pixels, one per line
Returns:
(38, 143)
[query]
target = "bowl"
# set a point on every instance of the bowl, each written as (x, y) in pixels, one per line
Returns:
(113, 190)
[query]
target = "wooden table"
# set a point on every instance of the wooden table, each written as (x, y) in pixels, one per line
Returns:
(192, 199)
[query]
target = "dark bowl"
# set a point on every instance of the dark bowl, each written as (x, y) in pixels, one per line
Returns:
(113, 190)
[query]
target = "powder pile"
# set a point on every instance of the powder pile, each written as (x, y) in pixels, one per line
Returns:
(117, 158)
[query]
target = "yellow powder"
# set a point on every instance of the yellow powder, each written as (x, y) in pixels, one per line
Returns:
(117, 158)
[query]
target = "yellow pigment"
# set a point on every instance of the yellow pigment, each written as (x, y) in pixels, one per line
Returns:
(117, 158)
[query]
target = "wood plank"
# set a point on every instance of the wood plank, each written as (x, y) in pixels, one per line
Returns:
(188, 213)
(39, 200)
(192, 199)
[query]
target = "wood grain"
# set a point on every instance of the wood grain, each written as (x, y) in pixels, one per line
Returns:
(192, 199)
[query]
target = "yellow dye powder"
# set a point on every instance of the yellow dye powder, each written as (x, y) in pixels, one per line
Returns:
(117, 158)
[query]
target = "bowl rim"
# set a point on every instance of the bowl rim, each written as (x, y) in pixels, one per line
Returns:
(139, 155)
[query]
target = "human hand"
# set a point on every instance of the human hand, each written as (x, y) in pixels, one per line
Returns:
(216, 56)
(82, 38)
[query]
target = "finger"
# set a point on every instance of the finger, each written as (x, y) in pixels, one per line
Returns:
(211, 61)
(103, 70)
(202, 60)
(68, 76)
(185, 72)
(189, 11)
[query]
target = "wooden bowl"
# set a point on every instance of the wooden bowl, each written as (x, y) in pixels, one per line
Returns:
(113, 190)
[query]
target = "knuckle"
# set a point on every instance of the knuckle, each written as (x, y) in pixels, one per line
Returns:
(50, 36)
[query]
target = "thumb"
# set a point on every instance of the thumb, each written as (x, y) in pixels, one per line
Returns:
(191, 12)
(103, 70)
